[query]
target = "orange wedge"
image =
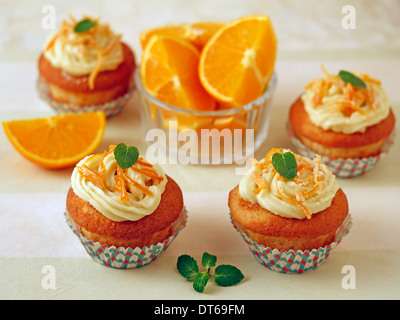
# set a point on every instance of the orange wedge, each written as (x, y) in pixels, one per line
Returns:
(58, 141)
(231, 123)
(169, 71)
(237, 62)
(196, 33)
(174, 120)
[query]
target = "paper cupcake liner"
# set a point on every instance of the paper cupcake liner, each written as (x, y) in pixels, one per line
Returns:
(290, 261)
(126, 257)
(343, 168)
(110, 108)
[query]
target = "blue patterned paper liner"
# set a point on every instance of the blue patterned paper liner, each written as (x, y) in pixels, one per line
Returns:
(126, 257)
(343, 168)
(110, 108)
(290, 261)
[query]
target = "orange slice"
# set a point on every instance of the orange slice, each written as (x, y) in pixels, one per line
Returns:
(181, 122)
(169, 71)
(237, 62)
(58, 141)
(231, 122)
(196, 33)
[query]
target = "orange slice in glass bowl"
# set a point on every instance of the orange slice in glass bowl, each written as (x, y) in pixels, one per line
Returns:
(169, 71)
(231, 122)
(59, 141)
(197, 33)
(238, 61)
(181, 121)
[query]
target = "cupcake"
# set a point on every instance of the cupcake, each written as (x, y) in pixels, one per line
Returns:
(117, 209)
(298, 216)
(85, 63)
(345, 116)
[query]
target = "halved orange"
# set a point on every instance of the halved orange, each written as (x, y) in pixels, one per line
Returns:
(169, 71)
(197, 33)
(59, 141)
(237, 62)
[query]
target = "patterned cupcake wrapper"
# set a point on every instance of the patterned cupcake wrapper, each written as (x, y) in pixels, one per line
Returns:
(343, 168)
(126, 257)
(110, 108)
(290, 261)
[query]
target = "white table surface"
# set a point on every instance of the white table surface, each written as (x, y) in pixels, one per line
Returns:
(32, 199)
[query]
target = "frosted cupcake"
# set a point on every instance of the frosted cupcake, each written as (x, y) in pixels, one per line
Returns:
(85, 63)
(298, 216)
(345, 116)
(120, 210)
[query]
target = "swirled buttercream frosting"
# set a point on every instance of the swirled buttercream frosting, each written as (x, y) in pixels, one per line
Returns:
(84, 53)
(120, 195)
(310, 192)
(333, 104)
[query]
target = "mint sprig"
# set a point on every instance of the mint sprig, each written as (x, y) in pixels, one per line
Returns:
(225, 275)
(84, 25)
(208, 260)
(200, 281)
(187, 267)
(285, 164)
(352, 79)
(126, 156)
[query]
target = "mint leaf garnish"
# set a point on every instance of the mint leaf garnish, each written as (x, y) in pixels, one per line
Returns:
(353, 79)
(187, 267)
(84, 25)
(227, 275)
(200, 281)
(208, 260)
(285, 164)
(126, 156)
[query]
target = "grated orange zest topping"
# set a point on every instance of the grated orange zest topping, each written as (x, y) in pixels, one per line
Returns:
(121, 177)
(148, 172)
(370, 97)
(144, 163)
(138, 185)
(96, 70)
(92, 176)
(353, 98)
(120, 184)
(367, 78)
(260, 182)
(266, 166)
(83, 40)
(298, 203)
(112, 45)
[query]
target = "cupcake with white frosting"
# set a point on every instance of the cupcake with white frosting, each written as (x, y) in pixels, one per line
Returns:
(346, 118)
(85, 63)
(290, 204)
(124, 208)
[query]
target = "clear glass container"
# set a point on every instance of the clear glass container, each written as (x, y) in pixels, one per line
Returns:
(225, 136)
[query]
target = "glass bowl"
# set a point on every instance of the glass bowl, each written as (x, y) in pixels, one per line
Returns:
(225, 136)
